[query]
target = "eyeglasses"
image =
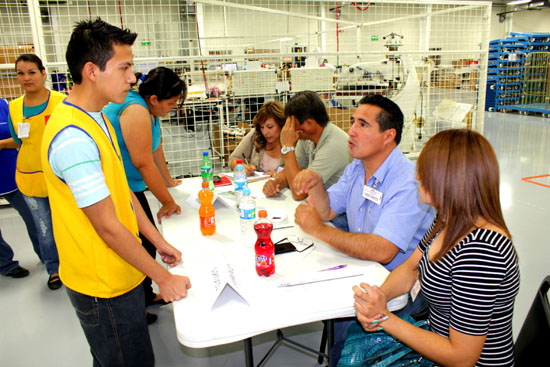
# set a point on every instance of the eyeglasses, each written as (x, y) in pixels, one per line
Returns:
(295, 240)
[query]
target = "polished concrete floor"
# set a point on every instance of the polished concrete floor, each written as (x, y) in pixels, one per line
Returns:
(38, 327)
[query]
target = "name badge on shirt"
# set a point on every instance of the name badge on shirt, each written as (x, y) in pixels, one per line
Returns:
(23, 129)
(372, 194)
(415, 290)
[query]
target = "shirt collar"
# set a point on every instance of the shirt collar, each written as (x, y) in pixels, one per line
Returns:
(385, 167)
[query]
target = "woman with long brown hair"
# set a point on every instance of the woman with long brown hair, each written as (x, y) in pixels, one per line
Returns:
(466, 263)
(260, 149)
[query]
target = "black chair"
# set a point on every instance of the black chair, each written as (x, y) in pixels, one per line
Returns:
(534, 337)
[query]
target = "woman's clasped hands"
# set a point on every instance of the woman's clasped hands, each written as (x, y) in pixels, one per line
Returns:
(370, 306)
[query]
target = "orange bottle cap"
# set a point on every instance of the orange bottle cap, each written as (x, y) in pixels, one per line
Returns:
(205, 184)
(262, 213)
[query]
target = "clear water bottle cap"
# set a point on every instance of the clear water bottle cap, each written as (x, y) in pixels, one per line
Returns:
(204, 153)
(246, 190)
(239, 166)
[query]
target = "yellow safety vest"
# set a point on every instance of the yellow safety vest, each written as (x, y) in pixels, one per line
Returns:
(28, 174)
(86, 263)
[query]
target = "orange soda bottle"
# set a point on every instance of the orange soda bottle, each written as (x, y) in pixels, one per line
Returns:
(207, 213)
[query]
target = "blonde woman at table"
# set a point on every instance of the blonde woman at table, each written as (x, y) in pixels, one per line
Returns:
(466, 263)
(260, 149)
(137, 126)
(28, 117)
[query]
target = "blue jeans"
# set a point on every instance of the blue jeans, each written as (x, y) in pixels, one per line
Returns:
(116, 328)
(7, 263)
(41, 213)
(17, 201)
(341, 222)
(341, 325)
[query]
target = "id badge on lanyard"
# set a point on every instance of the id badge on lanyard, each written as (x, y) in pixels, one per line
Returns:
(23, 129)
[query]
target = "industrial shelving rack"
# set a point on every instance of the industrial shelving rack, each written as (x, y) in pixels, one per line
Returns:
(518, 77)
(504, 73)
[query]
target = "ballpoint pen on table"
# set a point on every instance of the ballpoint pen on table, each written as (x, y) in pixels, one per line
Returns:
(335, 267)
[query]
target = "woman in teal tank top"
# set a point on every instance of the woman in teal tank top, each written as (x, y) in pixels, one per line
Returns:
(137, 126)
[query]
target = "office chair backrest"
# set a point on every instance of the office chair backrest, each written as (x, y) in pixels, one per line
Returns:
(533, 341)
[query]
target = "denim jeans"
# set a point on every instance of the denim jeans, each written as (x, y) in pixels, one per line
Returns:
(341, 222)
(116, 328)
(41, 213)
(341, 325)
(17, 201)
(7, 263)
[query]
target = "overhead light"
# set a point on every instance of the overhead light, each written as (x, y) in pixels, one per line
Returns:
(537, 4)
(518, 2)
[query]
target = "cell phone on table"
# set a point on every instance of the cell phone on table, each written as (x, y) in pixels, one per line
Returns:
(284, 247)
(217, 179)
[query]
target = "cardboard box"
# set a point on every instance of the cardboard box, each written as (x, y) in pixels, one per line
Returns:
(230, 142)
(9, 88)
(340, 117)
(8, 54)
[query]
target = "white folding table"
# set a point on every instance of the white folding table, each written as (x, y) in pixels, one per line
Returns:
(269, 306)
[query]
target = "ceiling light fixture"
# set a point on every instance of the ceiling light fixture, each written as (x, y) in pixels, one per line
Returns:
(518, 2)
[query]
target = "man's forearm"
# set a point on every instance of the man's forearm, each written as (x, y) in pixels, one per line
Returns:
(359, 245)
(291, 170)
(128, 247)
(321, 201)
(103, 217)
(280, 178)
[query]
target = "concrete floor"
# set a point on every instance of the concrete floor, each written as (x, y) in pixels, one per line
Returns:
(38, 327)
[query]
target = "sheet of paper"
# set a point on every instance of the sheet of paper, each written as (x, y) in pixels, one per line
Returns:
(194, 201)
(257, 176)
(318, 276)
(227, 286)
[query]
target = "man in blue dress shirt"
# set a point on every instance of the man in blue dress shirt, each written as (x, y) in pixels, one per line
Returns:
(378, 193)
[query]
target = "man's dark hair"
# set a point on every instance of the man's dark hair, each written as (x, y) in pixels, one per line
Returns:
(307, 105)
(390, 117)
(93, 41)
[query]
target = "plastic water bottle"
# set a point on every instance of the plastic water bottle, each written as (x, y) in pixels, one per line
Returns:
(207, 213)
(240, 181)
(264, 248)
(206, 171)
(247, 211)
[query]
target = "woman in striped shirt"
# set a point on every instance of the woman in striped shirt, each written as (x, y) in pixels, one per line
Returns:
(466, 263)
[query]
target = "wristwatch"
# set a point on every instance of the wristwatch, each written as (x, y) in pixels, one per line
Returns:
(285, 150)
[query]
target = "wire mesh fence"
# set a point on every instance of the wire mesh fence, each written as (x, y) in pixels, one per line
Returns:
(235, 55)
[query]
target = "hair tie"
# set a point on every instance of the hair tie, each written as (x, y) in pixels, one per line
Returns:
(141, 79)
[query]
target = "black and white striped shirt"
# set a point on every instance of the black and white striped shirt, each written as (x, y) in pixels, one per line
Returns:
(472, 289)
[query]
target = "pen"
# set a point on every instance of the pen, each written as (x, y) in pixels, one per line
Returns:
(335, 268)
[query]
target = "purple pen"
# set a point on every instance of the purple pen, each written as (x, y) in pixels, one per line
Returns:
(335, 267)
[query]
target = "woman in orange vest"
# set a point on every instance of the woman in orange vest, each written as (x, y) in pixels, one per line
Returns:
(28, 116)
